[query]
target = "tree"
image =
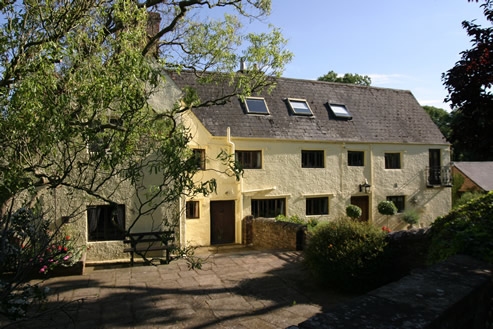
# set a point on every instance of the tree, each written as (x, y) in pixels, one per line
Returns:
(469, 85)
(76, 80)
(441, 118)
(354, 79)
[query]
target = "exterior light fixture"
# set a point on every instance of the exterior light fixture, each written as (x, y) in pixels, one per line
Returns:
(365, 188)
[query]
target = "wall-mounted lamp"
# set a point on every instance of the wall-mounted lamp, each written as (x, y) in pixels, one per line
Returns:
(365, 188)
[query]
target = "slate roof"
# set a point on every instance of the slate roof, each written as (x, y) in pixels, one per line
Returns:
(480, 173)
(378, 114)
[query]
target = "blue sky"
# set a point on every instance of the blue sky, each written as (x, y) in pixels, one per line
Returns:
(401, 44)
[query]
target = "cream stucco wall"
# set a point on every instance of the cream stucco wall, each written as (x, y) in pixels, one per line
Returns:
(281, 176)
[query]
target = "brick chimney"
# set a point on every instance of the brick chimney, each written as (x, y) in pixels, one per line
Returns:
(153, 22)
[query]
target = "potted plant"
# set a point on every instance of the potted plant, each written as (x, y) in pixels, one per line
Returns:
(387, 208)
(411, 217)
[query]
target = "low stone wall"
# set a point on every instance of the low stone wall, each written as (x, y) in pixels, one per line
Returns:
(266, 233)
(457, 293)
(409, 249)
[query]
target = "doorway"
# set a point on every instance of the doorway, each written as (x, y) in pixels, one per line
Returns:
(364, 204)
(222, 222)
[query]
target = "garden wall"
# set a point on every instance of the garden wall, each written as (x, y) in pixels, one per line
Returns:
(454, 294)
(266, 233)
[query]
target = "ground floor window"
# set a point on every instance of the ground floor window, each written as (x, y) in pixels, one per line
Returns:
(106, 222)
(192, 210)
(317, 206)
(399, 202)
(268, 207)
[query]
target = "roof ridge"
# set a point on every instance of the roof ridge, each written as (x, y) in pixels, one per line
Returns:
(345, 84)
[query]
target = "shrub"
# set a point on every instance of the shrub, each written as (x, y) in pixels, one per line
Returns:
(466, 197)
(353, 211)
(347, 255)
(293, 219)
(466, 230)
(410, 216)
(387, 208)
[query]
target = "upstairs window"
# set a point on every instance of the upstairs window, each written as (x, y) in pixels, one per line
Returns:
(399, 202)
(268, 208)
(317, 206)
(299, 106)
(392, 161)
(106, 223)
(312, 159)
(256, 105)
(249, 159)
(199, 157)
(356, 158)
(192, 210)
(340, 111)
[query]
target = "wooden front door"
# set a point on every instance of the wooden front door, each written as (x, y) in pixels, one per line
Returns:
(364, 204)
(222, 222)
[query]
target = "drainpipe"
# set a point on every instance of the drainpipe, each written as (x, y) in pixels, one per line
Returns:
(233, 149)
(370, 212)
(182, 224)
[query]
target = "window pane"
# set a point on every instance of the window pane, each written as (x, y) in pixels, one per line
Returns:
(317, 206)
(356, 158)
(106, 222)
(256, 105)
(192, 209)
(268, 207)
(249, 159)
(199, 156)
(300, 107)
(392, 160)
(312, 159)
(340, 111)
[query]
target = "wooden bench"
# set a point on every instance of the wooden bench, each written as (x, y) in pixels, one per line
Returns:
(143, 242)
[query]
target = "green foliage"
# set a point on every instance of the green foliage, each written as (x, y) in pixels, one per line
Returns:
(466, 230)
(30, 248)
(353, 211)
(466, 197)
(387, 208)
(457, 181)
(350, 78)
(347, 255)
(410, 216)
(293, 219)
(441, 118)
(469, 85)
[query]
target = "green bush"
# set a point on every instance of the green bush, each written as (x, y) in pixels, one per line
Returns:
(353, 211)
(410, 216)
(466, 230)
(293, 219)
(347, 255)
(387, 208)
(466, 197)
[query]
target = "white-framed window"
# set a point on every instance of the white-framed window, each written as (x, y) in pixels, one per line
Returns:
(192, 209)
(317, 206)
(106, 222)
(299, 106)
(393, 160)
(268, 208)
(356, 158)
(249, 159)
(312, 159)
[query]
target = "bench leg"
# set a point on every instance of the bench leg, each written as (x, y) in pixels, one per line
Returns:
(131, 258)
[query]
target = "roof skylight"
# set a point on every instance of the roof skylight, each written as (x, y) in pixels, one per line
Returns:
(256, 105)
(300, 106)
(340, 111)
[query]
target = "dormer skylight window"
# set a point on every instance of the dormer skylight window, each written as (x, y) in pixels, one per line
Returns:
(340, 111)
(299, 106)
(256, 105)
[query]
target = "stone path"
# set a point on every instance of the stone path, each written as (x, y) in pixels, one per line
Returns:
(249, 289)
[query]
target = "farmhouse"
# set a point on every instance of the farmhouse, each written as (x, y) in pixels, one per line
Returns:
(310, 149)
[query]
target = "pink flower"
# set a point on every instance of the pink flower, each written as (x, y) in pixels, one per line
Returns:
(42, 270)
(66, 257)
